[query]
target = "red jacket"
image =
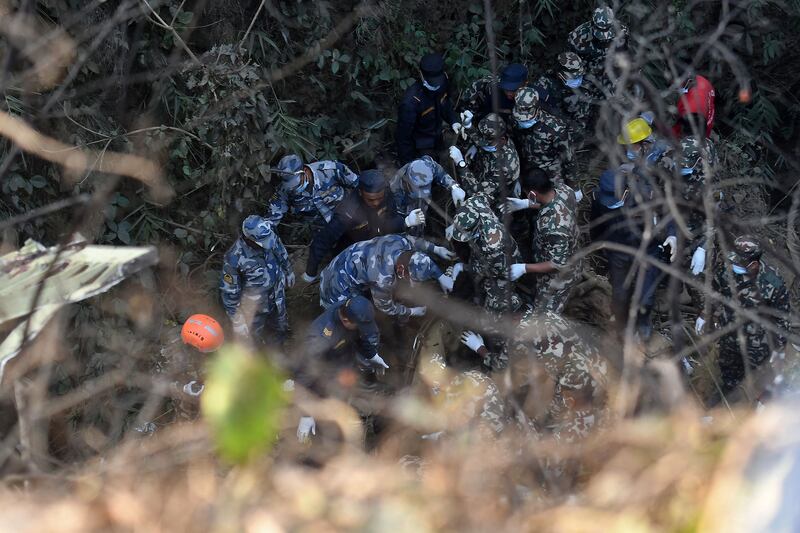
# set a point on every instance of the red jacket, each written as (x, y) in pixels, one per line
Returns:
(699, 100)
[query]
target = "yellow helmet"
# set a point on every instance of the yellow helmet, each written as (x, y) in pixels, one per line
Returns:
(635, 131)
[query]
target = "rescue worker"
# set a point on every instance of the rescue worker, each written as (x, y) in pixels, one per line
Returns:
(748, 283)
(555, 242)
(424, 107)
(340, 344)
(375, 266)
(495, 162)
(543, 140)
(697, 100)
(411, 189)
(312, 190)
(362, 215)
(477, 100)
(561, 93)
(255, 273)
(596, 41)
(181, 360)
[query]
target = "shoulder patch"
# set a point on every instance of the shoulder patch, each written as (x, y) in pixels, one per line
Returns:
(228, 278)
(327, 331)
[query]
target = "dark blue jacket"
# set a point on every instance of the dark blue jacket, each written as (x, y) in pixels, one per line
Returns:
(419, 120)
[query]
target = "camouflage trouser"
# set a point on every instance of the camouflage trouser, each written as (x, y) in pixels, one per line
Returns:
(499, 296)
(552, 292)
(731, 363)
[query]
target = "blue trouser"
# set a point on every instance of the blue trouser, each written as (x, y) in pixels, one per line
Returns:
(620, 265)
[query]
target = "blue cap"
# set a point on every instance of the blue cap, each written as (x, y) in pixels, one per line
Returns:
(513, 77)
(419, 266)
(607, 189)
(419, 176)
(259, 230)
(372, 181)
(432, 68)
(359, 310)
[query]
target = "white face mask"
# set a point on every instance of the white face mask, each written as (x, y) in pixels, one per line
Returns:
(430, 87)
(525, 124)
(617, 205)
(739, 270)
(574, 83)
(489, 148)
(686, 171)
(683, 90)
(632, 155)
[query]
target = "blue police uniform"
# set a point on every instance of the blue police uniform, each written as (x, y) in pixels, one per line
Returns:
(369, 266)
(411, 185)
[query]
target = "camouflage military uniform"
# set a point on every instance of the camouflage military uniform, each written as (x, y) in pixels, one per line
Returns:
(369, 266)
(571, 104)
(766, 295)
(546, 144)
(493, 251)
(319, 199)
(594, 41)
(255, 271)
(556, 240)
(180, 364)
(487, 169)
(478, 97)
(694, 160)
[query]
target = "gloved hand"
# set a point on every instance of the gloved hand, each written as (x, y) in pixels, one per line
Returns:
(305, 427)
(466, 118)
(578, 195)
(458, 268)
(513, 205)
(290, 278)
(516, 271)
(417, 311)
(471, 152)
(686, 363)
(288, 385)
(517, 190)
(415, 218)
(672, 242)
(240, 325)
(472, 340)
(458, 195)
(699, 325)
(777, 355)
(456, 155)
(190, 389)
(698, 261)
(457, 128)
(308, 278)
(444, 253)
(446, 283)
(448, 232)
(377, 361)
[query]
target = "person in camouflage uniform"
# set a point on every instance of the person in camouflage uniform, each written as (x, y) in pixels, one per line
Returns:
(561, 93)
(255, 273)
(411, 188)
(542, 139)
(596, 41)
(476, 102)
(311, 191)
(376, 266)
(555, 241)
(495, 161)
(492, 250)
(760, 289)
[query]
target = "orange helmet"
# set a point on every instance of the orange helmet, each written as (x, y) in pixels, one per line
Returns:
(202, 332)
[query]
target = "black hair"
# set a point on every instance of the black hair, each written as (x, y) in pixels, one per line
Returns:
(537, 180)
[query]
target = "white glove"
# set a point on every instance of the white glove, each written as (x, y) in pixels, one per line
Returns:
(672, 242)
(457, 128)
(309, 278)
(444, 253)
(240, 325)
(472, 340)
(699, 324)
(290, 278)
(513, 205)
(777, 355)
(698, 261)
(417, 311)
(448, 232)
(446, 283)
(458, 195)
(578, 195)
(305, 427)
(456, 155)
(415, 218)
(189, 388)
(517, 189)
(288, 385)
(377, 360)
(457, 269)
(687, 366)
(516, 271)
(466, 118)
(471, 152)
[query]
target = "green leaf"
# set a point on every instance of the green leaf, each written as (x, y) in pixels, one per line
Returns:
(335, 67)
(39, 182)
(123, 236)
(180, 233)
(243, 403)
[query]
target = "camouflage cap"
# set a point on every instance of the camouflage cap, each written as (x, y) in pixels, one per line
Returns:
(603, 23)
(466, 220)
(526, 104)
(745, 250)
(418, 177)
(289, 168)
(491, 127)
(259, 230)
(418, 266)
(572, 63)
